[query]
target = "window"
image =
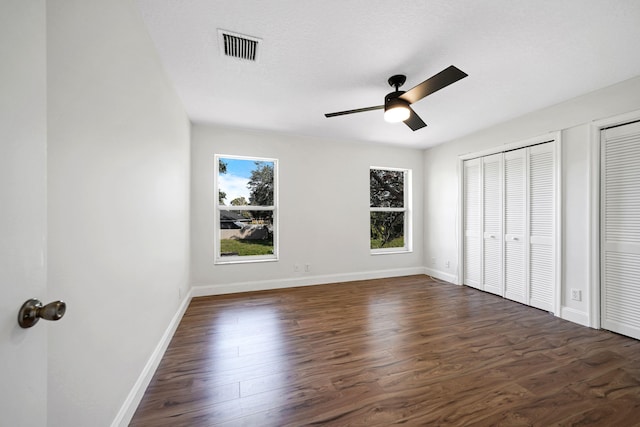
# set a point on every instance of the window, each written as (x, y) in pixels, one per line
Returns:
(246, 203)
(390, 205)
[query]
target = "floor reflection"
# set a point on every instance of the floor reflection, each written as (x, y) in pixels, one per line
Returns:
(248, 349)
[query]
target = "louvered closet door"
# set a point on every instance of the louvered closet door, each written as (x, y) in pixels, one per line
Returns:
(620, 229)
(541, 226)
(515, 220)
(492, 224)
(472, 199)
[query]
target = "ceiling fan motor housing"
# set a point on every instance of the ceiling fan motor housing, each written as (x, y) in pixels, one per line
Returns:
(394, 96)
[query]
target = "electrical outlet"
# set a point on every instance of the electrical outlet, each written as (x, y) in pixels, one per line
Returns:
(446, 264)
(576, 294)
(307, 268)
(433, 261)
(296, 267)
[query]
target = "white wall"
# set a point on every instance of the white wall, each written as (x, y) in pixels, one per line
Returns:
(573, 118)
(324, 210)
(118, 212)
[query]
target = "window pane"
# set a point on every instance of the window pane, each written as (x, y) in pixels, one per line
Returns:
(245, 182)
(387, 188)
(387, 230)
(246, 233)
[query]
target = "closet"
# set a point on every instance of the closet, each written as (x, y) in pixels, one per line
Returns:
(509, 224)
(620, 229)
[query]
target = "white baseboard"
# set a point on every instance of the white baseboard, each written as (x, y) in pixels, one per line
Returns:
(128, 408)
(575, 316)
(447, 277)
(261, 285)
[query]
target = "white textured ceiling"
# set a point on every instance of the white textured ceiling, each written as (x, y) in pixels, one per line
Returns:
(331, 55)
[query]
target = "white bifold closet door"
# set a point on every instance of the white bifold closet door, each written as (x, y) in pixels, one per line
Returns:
(541, 227)
(472, 223)
(620, 229)
(515, 221)
(492, 272)
(509, 220)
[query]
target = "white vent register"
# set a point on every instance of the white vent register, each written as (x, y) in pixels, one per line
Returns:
(239, 46)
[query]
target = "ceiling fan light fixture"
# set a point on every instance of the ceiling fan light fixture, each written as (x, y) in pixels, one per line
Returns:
(396, 110)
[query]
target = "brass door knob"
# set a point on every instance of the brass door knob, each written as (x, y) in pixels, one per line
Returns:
(33, 310)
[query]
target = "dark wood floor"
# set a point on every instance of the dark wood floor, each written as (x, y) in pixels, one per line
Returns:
(394, 351)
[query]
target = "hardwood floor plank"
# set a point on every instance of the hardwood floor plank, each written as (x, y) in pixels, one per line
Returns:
(405, 350)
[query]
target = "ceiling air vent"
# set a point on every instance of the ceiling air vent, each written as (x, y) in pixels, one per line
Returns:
(238, 45)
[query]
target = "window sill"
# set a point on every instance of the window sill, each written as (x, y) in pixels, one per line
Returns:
(243, 260)
(390, 251)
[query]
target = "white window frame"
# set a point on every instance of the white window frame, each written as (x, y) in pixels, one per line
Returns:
(218, 259)
(407, 209)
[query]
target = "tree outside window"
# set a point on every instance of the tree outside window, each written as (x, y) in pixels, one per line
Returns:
(389, 210)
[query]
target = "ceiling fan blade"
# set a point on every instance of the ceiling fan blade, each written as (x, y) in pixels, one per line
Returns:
(443, 79)
(359, 110)
(414, 121)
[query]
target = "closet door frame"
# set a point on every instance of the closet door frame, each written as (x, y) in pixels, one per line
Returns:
(554, 137)
(595, 158)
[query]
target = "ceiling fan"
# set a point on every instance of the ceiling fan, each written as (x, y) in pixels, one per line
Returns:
(397, 103)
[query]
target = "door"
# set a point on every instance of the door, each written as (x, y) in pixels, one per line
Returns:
(620, 229)
(492, 224)
(515, 220)
(472, 199)
(23, 352)
(510, 224)
(542, 227)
